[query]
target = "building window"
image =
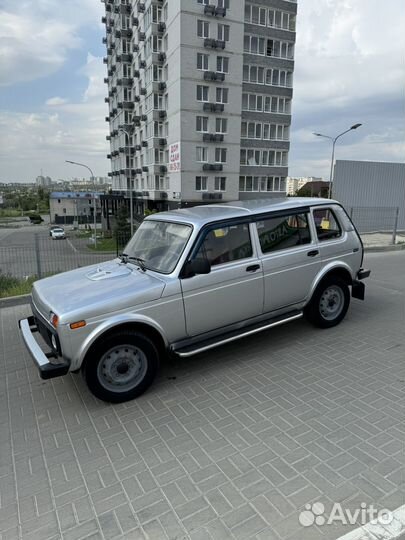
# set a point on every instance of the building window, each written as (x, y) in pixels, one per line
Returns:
(281, 19)
(202, 154)
(223, 4)
(222, 64)
(253, 74)
(220, 183)
(262, 183)
(202, 93)
(201, 183)
(202, 124)
(221, 125)
(222, 95)
(220, 155)
(203, 29)
(255, 15)
(274, 104)
(254, 45)
(202, 61)
(223, 32)
(272, 132)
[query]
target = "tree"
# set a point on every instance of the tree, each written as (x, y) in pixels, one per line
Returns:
(122, 229)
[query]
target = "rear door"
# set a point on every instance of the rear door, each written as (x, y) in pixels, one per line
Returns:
(290, 258)
(233, 290)
(337, 239)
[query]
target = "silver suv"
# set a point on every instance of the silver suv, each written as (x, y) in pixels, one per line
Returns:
(193, 279)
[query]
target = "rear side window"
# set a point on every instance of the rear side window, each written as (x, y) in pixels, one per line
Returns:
(226, 244)
(283, 232)
(326, 223)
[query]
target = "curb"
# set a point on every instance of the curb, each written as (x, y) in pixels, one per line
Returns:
(15, 301)
(378, 249)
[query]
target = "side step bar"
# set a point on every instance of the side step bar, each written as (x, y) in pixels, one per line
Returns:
(209, 343)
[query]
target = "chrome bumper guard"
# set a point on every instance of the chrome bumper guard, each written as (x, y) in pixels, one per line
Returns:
(47, 369)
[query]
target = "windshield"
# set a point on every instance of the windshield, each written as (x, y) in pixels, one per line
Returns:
(159, 244)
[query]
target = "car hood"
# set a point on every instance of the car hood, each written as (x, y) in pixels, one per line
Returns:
(95, 290)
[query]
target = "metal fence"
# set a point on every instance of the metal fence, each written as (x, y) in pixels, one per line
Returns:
(377, 225)
(45, 256)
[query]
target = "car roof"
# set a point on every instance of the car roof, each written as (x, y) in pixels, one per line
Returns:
(200, 215)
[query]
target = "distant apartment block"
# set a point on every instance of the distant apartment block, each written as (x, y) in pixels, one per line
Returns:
(294, 184)
(199, 95)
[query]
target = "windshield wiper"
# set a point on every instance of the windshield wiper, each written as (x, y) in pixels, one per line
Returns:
(141, 262)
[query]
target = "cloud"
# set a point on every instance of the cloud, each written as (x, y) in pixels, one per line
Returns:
(55, 101)
(37, 35)
(348, 69)
(44, 139)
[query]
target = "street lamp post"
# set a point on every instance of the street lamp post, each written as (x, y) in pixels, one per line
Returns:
(131, 210)
(334, 139)
(94, 196)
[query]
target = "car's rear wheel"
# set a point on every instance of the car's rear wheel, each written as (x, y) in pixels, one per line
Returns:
(329, 303)
(121, 366)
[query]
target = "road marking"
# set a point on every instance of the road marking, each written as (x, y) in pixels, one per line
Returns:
(374, 530)
(71, 245)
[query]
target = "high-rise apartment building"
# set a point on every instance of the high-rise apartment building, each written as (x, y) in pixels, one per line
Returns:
(199, 95)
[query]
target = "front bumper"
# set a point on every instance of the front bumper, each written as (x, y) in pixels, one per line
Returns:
(47, 369)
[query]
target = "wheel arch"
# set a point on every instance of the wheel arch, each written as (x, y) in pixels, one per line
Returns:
(343, 272)
(142, 326)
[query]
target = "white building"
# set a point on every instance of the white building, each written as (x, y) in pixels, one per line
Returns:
(199, 96)
(293, 184)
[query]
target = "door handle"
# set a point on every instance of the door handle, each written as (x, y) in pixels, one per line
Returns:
(253, 268)
(313, 253)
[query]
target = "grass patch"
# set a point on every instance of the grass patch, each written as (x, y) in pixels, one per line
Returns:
(9, 212)
(12, 286)
(104, 244)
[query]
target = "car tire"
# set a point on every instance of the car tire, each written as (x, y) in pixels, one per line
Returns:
(329, 303)
(121, 366)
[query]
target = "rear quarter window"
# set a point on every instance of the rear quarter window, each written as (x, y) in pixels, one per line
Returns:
(326, 224)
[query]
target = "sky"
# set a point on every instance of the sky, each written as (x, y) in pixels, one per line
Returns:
(349, 68)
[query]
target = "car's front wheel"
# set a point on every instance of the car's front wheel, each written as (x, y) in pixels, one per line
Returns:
(329, 303)
(121, 366)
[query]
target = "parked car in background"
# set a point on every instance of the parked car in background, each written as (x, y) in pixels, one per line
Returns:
(58, 233)
(191, 280)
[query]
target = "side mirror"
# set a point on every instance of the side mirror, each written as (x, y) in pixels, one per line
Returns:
(197, 266)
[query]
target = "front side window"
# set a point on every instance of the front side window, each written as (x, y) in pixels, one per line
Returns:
(327, 226)
(283, 232)
(226, 244)
(160, 244)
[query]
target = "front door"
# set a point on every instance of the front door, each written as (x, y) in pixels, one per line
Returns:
(233, 290)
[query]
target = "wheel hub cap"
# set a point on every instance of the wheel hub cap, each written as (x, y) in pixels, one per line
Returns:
(122, 368)
(331, 303)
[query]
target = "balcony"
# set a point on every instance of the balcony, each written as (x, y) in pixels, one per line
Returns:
(144, 117)
(141, 8)
(106, 100)
(125, 57)
(107, 118)
(211, 196)
(125, 81)
(145, 169)
(144, 144)
(214, 43)
(126, 127)
(106, 80)
(162, 142)
(108, 138)
(212, 167)
(213, 107)
(213, 76)
(138, 147)
(126, 33)
(123, 8)
(213, 137)
(104, 20)
(125, 105)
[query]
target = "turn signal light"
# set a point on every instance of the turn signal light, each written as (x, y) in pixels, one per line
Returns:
(54, 319)
(78, 324)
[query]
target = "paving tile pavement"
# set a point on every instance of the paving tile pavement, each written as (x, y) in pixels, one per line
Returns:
(230, 444)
